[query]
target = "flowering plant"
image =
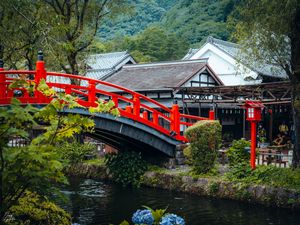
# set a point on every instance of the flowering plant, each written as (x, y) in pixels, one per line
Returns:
(149, 216)
(143, 217)
(172, 219)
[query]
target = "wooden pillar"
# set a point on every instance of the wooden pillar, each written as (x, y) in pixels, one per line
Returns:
(2, 80)
(271, 125)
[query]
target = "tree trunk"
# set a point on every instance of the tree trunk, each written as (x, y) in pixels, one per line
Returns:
(295, 79)
(74, 67)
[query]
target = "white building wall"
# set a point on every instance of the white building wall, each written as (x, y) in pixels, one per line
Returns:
(226, 67)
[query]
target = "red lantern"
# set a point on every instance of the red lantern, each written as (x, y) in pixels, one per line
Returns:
(253, 115)
(254, 109)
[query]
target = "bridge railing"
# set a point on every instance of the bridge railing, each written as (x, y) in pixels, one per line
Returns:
(131, 104)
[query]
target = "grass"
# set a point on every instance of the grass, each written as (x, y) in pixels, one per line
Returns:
(96, 161)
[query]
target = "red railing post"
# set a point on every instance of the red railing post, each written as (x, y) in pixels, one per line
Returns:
(145, 115)
(92, 93)
(39, 74)
(2, 80)
(128, 108)
(155, 117)
(175, 118)
(68, 90)
(136, 106)
(115, 100)
(211, 115)
(40, 68)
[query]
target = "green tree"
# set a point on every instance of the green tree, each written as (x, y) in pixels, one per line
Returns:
(21, 32)
(36, 166)
(269, 32)
(64, 29)
(196, 20)
(152, 45)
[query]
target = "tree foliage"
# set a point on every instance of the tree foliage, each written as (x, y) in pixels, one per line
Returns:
(196, 20)
(34, 209)
(35, 166)
(64, 29)
(269, 32)
(153, 44)
(126, 167)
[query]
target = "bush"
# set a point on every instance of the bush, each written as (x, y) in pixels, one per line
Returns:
(126, 167)
(267, 175)
(75, 152)
(239, 171)
(33, 209)
(187, 152)
(205, 138)
(237, 154)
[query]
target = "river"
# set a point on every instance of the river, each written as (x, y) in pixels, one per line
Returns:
(100, 203)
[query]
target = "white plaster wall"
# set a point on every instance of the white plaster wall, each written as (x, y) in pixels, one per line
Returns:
(226, 67)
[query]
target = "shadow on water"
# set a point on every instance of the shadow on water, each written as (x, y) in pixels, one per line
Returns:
(94, 202)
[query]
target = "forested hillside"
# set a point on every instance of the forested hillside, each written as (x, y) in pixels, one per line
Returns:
(181, 23)
(143, 14)
(193, 20)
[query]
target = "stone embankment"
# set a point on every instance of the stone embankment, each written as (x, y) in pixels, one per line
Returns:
(211, 187)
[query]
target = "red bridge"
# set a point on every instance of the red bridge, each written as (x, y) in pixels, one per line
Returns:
(134, 108)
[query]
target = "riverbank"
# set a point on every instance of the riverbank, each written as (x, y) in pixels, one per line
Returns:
(216, 187)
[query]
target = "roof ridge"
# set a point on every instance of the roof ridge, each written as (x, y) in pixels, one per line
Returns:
(109, 53)
(213, 40)
(203, 60)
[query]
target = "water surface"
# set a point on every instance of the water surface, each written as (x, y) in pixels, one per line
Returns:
(94, 202)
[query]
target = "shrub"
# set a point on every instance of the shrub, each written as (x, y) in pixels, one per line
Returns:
(239, 171)
(187, 152)
(126, 167)
(237, 154)
(74, 152)
(205, 138)
(33, 209)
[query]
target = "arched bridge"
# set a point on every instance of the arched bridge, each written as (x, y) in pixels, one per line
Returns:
(144, 123)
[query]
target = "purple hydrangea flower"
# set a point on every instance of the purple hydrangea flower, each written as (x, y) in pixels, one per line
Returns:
(143, 217)
(172, 219)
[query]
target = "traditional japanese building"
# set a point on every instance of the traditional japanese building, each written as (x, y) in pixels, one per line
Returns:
(232, 66)
(103, 65)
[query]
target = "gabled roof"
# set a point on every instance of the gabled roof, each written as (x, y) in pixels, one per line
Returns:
(103, 65)
(159, 76)
(234, 50)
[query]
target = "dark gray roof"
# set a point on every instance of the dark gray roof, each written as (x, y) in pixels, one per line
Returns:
(157, 76)
(234, 50)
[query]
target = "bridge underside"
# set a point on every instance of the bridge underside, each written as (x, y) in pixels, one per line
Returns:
(123, 133)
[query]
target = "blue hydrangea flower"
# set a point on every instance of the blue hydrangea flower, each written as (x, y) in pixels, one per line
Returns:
(143, 217)
(172, 219)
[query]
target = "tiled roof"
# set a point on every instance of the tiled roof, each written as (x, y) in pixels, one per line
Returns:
(156, 76)
(234, 51)
(102, 65)
(191, 52)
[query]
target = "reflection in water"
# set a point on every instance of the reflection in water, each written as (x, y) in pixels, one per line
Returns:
(94, 202)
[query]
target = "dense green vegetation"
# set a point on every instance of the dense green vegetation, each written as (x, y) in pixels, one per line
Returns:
(153, 44)
(143, 13)
(237, 153)
(36, 166)
(126, 167)
(34, 209)
(205, 138)
(191, 20)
